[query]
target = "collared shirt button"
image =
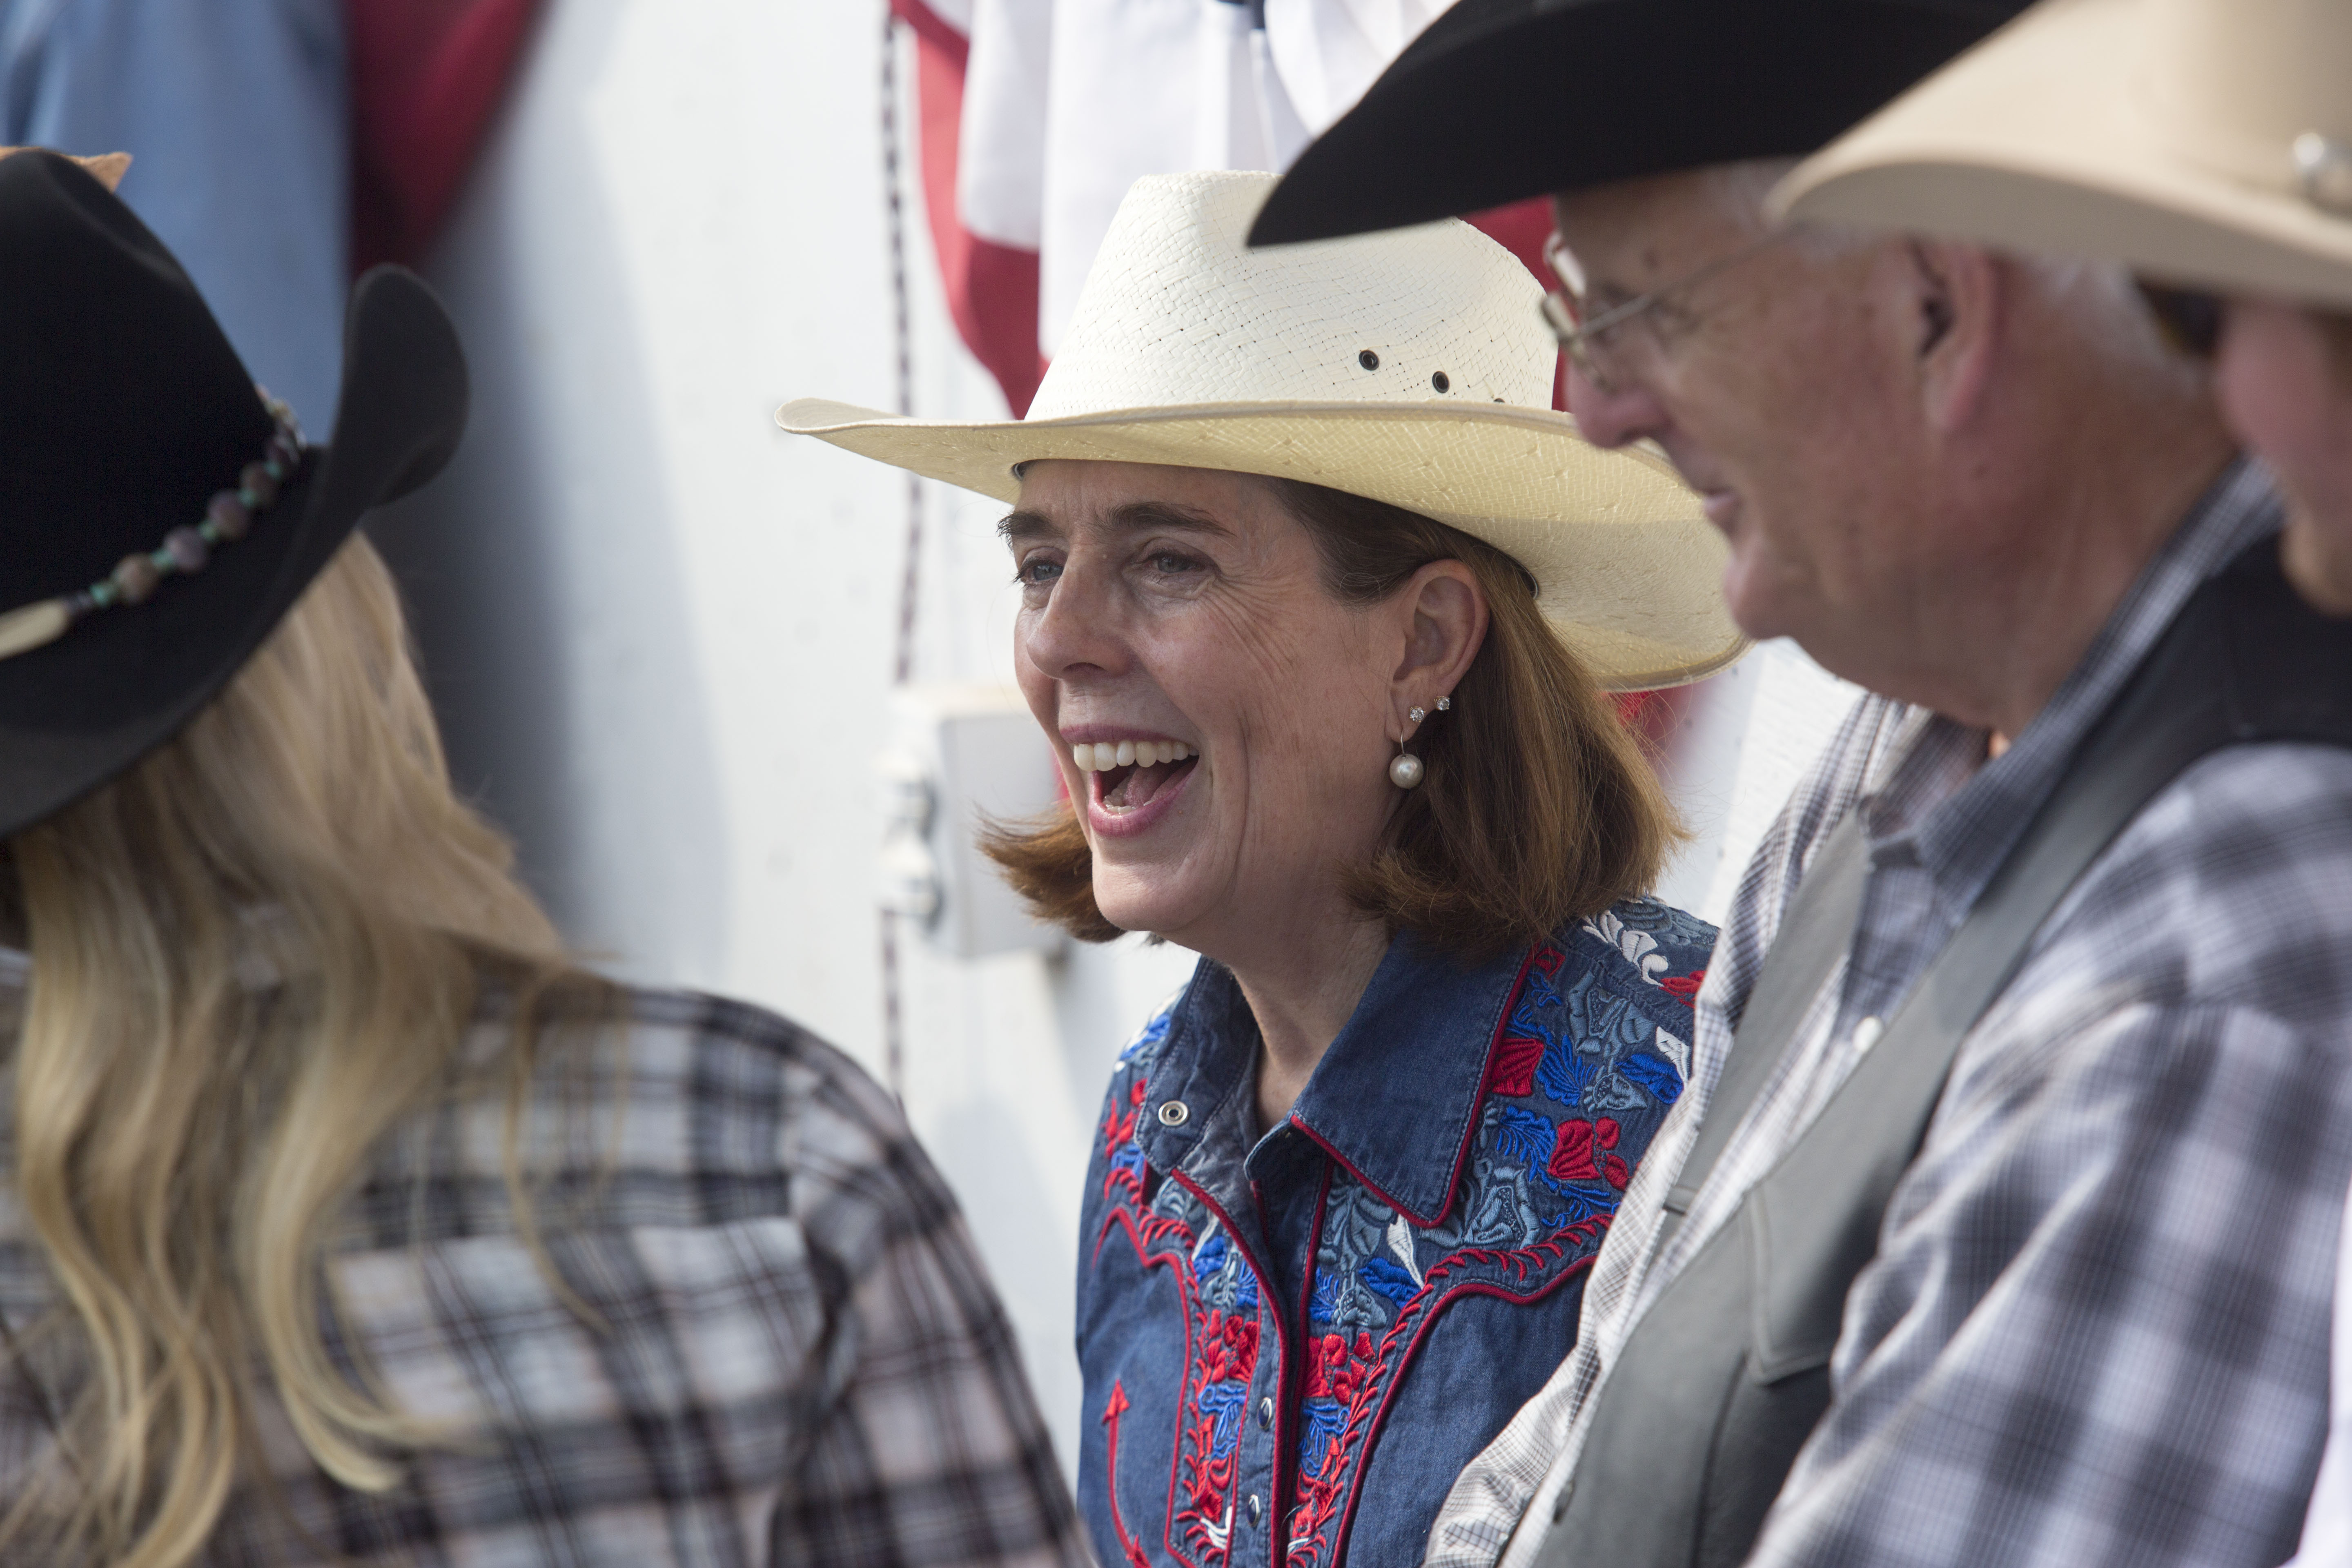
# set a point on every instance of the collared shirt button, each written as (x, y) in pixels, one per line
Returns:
(1559, 1504)
(1256, 1507)
(1866, 1033)
(1175, 1113)
(1265, 1414)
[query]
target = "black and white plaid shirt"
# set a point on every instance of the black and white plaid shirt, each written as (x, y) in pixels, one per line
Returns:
(2096, 1330)
(798, 1358)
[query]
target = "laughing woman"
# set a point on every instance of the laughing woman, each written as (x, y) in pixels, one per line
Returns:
(1318, 605)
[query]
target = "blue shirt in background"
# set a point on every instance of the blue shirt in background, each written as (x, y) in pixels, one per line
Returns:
(236, 115)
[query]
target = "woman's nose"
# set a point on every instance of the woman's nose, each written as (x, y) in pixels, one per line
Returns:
(1615, 415)
(1075, 633)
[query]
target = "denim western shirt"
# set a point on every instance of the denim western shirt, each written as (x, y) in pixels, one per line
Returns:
(1292, 1343)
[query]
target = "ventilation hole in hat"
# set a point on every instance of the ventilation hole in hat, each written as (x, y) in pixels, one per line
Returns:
(1441, 382)
(1368, 359)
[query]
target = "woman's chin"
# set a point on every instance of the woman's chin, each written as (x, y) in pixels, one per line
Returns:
(1142, 903)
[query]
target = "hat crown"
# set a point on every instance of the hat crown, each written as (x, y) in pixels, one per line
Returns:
(124, 406)
(1177, 311)
(2230, 84)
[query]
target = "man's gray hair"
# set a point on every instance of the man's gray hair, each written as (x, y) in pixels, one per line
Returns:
(2103, 302)
(2099, 298)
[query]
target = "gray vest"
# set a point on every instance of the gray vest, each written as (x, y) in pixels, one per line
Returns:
(1726, 1375)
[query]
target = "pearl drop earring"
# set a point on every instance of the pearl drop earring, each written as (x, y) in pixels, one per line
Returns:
(1405, 771)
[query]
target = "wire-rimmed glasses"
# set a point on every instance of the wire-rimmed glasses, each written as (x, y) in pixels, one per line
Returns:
(1593, 342)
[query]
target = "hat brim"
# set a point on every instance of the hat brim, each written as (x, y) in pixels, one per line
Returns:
(1497, 102)
(401, 413)
(2031, 143)
(1629, 569)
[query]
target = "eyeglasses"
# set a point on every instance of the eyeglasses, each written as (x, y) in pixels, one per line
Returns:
(1593, 344)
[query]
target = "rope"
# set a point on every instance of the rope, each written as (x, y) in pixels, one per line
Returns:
(894, 1046)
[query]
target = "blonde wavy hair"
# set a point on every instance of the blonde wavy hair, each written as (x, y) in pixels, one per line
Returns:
(252, 955)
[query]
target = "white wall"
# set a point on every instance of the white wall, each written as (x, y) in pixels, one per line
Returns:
(660, 629)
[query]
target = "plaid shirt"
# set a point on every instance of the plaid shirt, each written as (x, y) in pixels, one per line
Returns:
(800, 1361)
(2096, 1327)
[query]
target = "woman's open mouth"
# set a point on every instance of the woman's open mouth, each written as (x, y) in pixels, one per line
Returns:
(1130, 783)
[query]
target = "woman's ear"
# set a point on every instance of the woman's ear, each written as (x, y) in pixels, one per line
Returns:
(1957, 295)
(1448, 625)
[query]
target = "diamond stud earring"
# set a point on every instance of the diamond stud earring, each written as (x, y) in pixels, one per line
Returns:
(1417, 715)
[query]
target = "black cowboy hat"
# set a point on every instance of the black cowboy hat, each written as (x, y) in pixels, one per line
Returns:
(123, 412)
(1502, 100)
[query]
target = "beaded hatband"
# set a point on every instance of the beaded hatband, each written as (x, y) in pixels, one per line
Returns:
(184, 550)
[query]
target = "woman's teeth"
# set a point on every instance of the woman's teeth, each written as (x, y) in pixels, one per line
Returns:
(1102, 756)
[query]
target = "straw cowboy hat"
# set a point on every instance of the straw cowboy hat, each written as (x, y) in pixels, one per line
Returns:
(2206, 142)
(1412, 369)
(157, 517)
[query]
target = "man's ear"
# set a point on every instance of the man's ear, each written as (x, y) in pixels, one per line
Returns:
(1448, 625)
(1959, 293)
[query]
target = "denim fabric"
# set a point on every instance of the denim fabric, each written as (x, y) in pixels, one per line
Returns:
(235, 115)
(1291, 1344)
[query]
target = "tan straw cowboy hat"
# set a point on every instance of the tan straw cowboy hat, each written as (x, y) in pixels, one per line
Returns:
(1410, 367)
(2198, 142)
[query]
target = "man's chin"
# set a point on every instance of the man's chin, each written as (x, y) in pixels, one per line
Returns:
(1749, 594)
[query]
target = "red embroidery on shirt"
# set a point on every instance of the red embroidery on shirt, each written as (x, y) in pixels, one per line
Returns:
(1514, 1072)
(1338, 1368)
(1231, 1350)
(1119, 1129)
(1573, 1151)
(1364, 1377)
(1220, 1348)
(1684, 985)
(1127, 1543)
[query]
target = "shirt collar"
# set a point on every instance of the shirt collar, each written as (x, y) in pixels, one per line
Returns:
(1937, 807)
(1395, 1099)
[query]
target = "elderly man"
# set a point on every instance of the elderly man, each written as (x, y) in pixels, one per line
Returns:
(1993, 1226)
(2255, 264)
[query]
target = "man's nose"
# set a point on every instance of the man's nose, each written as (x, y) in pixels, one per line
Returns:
(1614, 415)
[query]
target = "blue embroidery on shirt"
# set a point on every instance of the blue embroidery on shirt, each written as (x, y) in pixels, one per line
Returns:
(1523, 1136)
(1390, 1277)
(1222, 1402)
(1324, 1420)
(1658, 1076)
(1144, 1049)
(1563, 1072)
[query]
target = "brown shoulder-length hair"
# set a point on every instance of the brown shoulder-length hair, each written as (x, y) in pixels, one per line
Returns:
(1537, 807)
